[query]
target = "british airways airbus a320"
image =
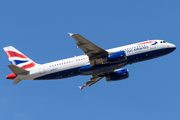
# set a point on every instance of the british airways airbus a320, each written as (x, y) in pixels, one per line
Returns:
(96, 61)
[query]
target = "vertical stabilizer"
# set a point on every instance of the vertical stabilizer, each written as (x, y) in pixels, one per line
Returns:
(17, 58)
(19, 63)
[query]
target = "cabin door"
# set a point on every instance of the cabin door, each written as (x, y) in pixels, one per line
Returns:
(41, 69)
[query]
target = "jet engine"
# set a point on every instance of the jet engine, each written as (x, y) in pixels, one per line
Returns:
(118, 75)
(115, 57)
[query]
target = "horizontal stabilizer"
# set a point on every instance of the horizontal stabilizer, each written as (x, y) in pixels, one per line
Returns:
(16, 80)
(17, 70)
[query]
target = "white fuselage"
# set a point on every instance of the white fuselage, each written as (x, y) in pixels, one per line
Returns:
(71, 66)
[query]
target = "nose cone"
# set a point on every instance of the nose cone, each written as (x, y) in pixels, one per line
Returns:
(172, 47)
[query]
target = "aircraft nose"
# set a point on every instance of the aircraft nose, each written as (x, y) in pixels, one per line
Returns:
(172, 46)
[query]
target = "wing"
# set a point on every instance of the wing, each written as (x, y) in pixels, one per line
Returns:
(93, 51)
(92, 81)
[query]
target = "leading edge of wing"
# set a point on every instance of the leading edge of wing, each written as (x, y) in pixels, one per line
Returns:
(87, 46)
(90, 49)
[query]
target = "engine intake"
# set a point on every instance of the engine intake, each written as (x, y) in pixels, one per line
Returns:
(118, 75)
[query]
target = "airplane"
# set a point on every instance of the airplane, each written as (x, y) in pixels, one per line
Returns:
(97, 62)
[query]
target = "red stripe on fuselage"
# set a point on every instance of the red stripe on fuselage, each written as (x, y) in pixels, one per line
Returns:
(29, 65)
(14, 54)
(146, 42)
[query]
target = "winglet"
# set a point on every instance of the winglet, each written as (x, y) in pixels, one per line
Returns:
(80, 87)
(70, 34)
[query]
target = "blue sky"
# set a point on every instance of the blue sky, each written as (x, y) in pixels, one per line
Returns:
(39, 30)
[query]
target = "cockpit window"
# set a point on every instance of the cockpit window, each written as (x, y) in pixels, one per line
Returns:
(163, 41)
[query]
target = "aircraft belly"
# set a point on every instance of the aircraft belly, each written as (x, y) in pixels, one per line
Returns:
(105, 68)
(60, 74)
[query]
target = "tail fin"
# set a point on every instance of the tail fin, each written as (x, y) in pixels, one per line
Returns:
(17, 58)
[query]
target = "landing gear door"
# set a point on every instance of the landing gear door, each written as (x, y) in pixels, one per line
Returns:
(41, 69)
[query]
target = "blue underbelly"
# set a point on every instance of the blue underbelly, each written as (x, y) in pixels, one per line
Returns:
(61, 74)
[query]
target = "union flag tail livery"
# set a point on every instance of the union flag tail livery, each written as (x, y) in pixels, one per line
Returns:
(17, 58)
(97, 62)
(19, 63)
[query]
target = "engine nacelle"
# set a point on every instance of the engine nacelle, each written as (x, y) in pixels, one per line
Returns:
(118, 75)
(115, 57)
